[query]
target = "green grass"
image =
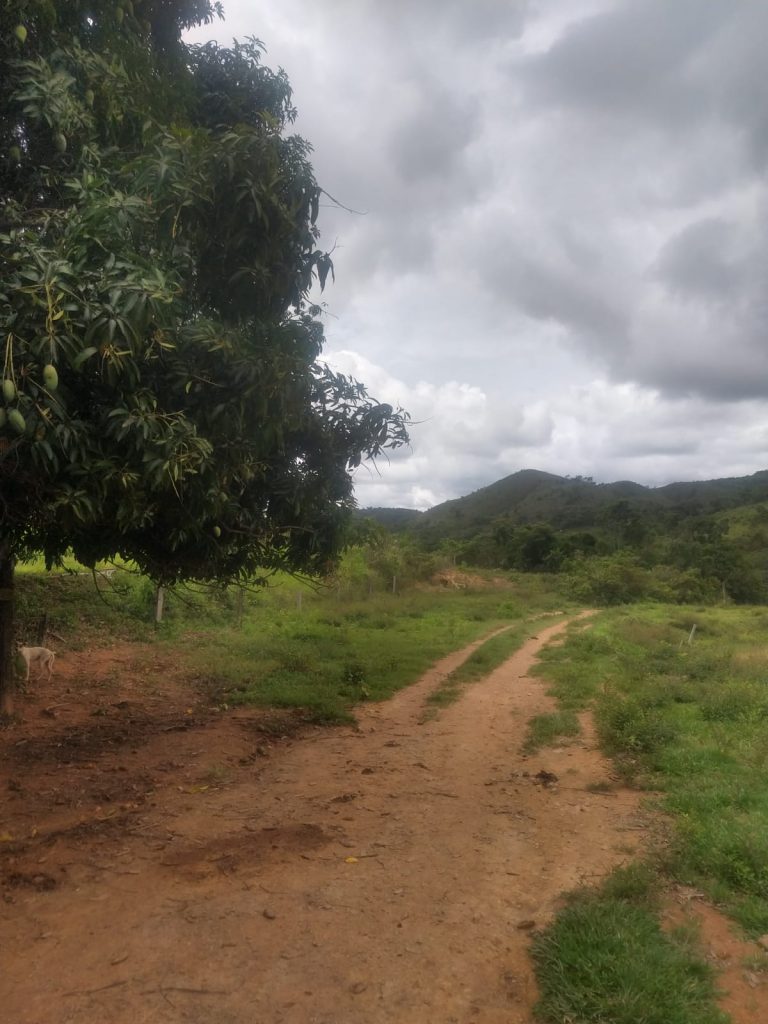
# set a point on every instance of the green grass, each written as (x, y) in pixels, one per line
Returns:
(69, 564)
(489, 656)
(605, 960)
(287, 645)
(480, 663)
(545, 730)
(84, 611)
(687, 719)
(690, 722)
(331, 655)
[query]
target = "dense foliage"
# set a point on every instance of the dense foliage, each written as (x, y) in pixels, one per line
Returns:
(689, 542)
(578, 503)
(161, 394)
(162, 398)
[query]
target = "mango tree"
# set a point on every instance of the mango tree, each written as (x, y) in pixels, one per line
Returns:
(162, 398)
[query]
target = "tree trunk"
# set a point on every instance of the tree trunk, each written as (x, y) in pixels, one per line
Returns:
(7, 647)
(42, 630)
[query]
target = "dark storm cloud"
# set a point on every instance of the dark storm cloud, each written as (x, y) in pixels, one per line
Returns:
(634, 57)
(645, 448)
(562, 258)
(642, 444)
(549, 292)
(711, 323)
(431, 137)
(461, 22)
(423, 170)
(730, 76)
(657, 109)
(712, 361)
(707, 260)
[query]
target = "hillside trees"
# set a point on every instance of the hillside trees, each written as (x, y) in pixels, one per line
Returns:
(162, 398)
(627, 525)
(702, 543)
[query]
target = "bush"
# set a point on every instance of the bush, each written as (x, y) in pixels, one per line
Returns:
(733, 702)
(631, 726)
(621, 579)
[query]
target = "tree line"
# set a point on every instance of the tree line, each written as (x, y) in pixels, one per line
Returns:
(629, 551)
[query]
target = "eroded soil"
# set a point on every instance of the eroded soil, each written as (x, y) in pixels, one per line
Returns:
(164, 862)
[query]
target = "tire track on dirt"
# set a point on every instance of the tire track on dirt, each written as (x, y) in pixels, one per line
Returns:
(385, 873)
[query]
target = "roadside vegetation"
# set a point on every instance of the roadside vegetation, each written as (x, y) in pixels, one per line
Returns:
(686, 717)
(493, 653)
(686, 543)
(606, 958)
(320, 649)
(683, 712)
(544, 730)
(163, 401)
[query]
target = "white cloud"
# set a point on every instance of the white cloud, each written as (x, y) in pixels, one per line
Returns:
(561, 262)
(464, 439)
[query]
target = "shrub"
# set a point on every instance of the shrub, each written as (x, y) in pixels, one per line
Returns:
(631, 726)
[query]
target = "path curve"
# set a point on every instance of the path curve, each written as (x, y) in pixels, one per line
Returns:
(386, 873)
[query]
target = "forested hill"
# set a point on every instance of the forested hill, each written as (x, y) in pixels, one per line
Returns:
(393, 518)
(568, 503)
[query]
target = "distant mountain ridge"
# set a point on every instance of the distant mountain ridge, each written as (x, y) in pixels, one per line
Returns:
(393, 518)
(567, 503)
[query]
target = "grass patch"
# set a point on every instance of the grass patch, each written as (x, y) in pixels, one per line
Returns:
(606, 959)
(84, 610)
(690, 721)
(329, 657)
(298, 659)
(283, 646)
(480, 663)
(545, 730)
(288, 645)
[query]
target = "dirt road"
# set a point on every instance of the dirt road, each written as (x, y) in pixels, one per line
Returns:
(386, 873)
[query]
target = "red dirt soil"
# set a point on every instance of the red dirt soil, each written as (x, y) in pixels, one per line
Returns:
(162, 862)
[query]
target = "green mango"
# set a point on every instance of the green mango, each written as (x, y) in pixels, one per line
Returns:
(17, 421)
(50, 377)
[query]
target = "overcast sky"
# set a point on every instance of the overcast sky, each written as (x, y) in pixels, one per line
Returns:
(563, 258)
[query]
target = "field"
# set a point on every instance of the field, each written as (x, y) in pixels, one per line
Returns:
(680, 700)
(268, 758)
(320, 650)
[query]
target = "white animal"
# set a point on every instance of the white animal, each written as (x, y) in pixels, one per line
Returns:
(39, 656)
